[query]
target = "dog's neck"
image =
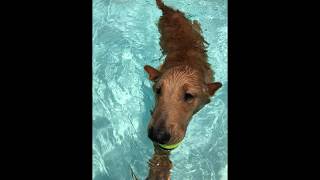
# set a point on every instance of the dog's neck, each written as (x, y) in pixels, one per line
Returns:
(160, 164)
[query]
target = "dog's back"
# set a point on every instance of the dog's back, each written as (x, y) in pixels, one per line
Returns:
(181, 40)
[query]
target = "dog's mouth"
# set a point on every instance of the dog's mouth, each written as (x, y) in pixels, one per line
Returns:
(173, 144)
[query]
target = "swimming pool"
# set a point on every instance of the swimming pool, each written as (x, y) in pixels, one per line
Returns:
(125, 38)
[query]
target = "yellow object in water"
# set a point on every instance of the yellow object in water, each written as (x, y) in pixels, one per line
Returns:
(170, 147)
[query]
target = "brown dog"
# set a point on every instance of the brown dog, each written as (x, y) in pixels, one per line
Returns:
(184, 83)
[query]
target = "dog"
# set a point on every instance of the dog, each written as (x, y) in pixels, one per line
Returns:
(184, 82)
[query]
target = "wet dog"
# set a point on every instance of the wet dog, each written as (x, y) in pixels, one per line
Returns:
(184, 82)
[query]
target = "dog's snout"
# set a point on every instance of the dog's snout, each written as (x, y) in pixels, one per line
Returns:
(159, 135)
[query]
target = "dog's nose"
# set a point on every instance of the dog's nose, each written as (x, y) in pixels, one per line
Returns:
(160, 136)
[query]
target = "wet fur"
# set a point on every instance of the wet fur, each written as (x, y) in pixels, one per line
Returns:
(185, 70)
(182, 42)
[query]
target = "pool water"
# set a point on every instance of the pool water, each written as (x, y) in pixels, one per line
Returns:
(125, 38)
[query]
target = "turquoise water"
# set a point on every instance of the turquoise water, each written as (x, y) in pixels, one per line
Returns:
(125, 38)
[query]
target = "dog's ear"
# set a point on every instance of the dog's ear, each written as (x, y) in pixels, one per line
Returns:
(213, 87)
(153, 73)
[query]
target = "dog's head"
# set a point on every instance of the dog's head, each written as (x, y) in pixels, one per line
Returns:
(180, 92)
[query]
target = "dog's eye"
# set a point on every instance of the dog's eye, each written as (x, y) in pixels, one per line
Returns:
(188, 97)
